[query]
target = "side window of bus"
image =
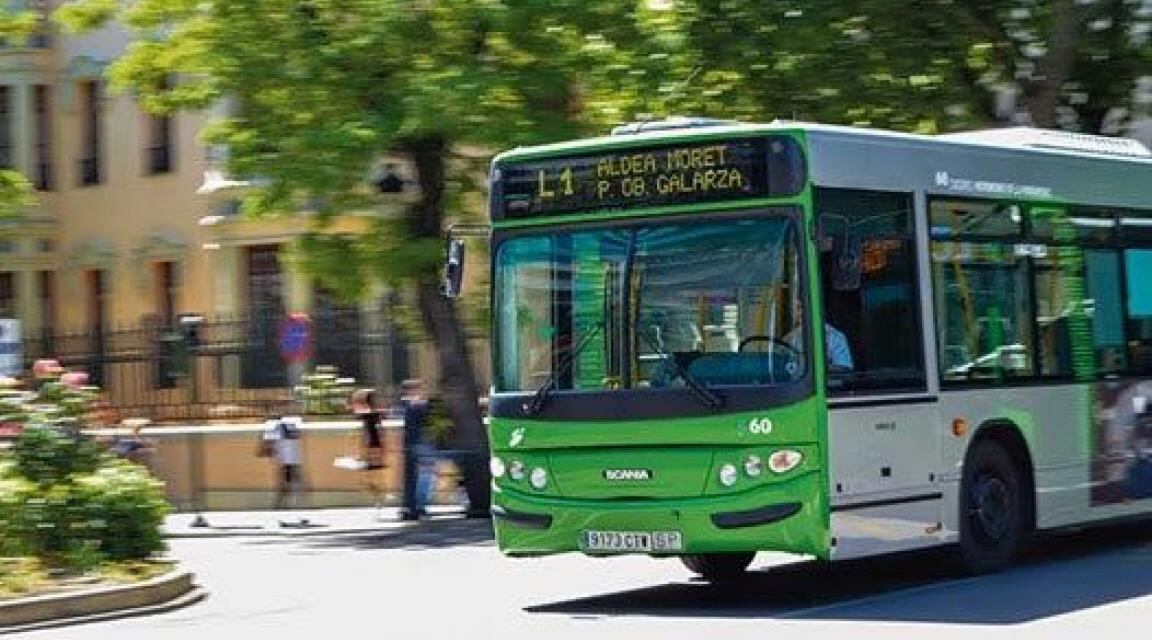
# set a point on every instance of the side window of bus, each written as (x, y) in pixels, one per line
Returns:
(1138, 265)
(868, 276)
(982, 290)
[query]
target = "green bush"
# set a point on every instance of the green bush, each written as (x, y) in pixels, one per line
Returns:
(125, 509)
(48, 523)
(15, 492)
(113, 513)
(324, 392)
(63, 499)
(48, 455)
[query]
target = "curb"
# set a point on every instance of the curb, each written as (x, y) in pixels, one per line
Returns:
(314, 530)
(162, 593)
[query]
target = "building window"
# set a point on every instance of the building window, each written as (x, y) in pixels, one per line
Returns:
(161, 135)
(871, 307)
(262, 366)
(166, 291)
(6, 159)
(47, 299)
(97, 300)
(336, 325)
(7, 294)
(92, 134)
(42, 113)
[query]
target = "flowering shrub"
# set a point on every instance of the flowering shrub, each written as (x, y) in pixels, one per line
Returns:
(323, 391)
(63, 499)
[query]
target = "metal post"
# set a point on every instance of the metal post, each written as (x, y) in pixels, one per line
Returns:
(197, 476)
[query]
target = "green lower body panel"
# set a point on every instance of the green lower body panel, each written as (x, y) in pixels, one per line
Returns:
(788, 516)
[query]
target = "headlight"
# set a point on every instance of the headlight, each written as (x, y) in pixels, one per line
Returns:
(784, 460)
(728, 475)
(497, 467)
(516, 470)
(538, 478)
(753, 466)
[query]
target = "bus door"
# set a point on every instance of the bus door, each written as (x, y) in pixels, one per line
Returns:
(883, 436)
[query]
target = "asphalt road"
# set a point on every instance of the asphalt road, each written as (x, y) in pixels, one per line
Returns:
(444, 579)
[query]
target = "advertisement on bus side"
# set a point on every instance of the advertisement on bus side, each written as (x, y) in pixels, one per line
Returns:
(1122, 442)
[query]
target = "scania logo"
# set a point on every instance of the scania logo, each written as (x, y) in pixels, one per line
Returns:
(627, 474)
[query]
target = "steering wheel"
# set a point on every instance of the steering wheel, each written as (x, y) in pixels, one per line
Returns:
(769, 339)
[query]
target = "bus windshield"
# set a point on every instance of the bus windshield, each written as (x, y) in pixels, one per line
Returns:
(716, 303)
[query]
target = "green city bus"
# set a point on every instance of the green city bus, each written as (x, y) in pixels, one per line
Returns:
(713, 338)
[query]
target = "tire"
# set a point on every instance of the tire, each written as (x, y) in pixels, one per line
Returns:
(718, 567)
(991, 509)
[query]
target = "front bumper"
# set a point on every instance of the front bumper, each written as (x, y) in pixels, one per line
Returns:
(789, 516)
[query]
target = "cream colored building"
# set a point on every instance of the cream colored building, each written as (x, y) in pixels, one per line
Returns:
(136, 224)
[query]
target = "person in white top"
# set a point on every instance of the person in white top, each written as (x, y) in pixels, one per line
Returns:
(282, 434)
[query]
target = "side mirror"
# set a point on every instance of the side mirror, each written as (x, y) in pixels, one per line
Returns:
(453, 269)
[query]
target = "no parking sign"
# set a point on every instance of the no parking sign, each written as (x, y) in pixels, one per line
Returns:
(296, 338)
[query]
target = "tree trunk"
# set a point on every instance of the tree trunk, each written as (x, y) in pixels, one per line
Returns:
(1042, 92)
(457, 380)
(460, 393)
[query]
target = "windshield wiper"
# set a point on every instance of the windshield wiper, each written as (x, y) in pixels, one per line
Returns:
(545, 390)
(705, 395)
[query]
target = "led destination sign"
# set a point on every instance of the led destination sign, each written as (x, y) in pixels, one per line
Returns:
(647, 177)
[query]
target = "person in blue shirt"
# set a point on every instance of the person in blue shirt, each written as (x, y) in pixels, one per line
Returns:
(418, 449)
(837, 352)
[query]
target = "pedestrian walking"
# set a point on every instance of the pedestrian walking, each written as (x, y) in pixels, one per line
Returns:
(419, 453)
(364, 407)
(135, 446)
(280, 441)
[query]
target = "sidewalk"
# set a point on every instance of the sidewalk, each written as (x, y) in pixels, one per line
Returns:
(319, 521)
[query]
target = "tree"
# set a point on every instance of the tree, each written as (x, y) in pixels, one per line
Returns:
(926, 65)
(325, 88)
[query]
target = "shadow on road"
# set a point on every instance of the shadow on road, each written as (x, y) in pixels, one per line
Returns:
(1057, 576)
(429, 534)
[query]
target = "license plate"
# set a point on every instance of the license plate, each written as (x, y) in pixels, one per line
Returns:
(632, 541)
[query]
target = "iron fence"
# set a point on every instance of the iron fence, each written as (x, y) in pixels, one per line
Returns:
(227, 368)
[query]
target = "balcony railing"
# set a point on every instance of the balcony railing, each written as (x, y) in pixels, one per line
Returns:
(89, 171)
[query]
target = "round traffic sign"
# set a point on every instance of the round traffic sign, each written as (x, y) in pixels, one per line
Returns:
(296, 337)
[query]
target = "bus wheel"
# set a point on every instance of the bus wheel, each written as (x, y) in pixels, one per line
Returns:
(717, 567)
(991, 509)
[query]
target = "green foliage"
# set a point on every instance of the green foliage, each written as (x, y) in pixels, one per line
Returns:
(324, 89)
(51, 523)
(16, 194)
(63, 499)
(917, 65)
(439, 426)
(15, 26)
(125, 507)
(58, 398)
(48, 455)
(324, 392)
(111, 514)
(78, 17)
